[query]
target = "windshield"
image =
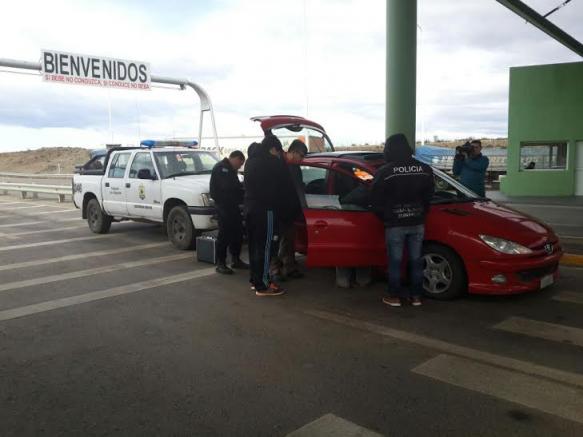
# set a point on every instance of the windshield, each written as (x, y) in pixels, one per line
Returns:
(315, 140)
(184, 163)
(448, 190)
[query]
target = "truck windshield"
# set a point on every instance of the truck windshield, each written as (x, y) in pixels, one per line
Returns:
(184, 163)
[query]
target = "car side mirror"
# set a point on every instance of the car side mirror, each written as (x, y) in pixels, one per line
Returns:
(144, 173)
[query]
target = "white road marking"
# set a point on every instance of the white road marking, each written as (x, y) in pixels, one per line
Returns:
(331, 425)
(42, 231)
(20, 207)
(569, 296)
(540, 394)
(78, 256)
(9, 286)
(16, 225)
(55, 242)
(50, 305)
(547, 331)
(453, 349)
(19, 216)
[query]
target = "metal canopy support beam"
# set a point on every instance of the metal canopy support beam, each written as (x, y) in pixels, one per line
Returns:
(205, 101)
(543, 24)
(401, 68)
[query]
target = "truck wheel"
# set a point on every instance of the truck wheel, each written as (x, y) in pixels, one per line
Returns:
(444, 275)
(180, 229)
(98, 221)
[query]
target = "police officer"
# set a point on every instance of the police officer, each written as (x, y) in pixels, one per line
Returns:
(227, 191)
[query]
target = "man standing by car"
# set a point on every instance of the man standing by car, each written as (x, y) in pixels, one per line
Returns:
(283, 263)
(227, 191)
(470, 165)
(265, 181)
(401, 192)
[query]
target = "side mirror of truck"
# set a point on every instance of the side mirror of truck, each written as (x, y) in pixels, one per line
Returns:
(144, 173)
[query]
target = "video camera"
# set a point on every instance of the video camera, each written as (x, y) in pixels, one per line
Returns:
(466, 148)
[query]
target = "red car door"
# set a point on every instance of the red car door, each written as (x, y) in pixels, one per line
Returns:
(340, 230)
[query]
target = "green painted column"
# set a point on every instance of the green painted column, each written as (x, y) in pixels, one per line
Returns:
(401, 68)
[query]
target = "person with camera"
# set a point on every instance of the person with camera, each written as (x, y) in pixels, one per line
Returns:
(470, 166)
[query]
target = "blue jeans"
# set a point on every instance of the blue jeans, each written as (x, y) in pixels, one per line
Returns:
(395, 239)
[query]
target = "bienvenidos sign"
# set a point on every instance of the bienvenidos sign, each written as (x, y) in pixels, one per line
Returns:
(71, 68)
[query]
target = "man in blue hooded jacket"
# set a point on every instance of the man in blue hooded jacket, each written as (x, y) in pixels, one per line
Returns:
(471, 167)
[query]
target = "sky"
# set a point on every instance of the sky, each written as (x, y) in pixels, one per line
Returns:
(324, 59)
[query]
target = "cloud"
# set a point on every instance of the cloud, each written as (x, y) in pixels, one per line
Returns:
(325, 57)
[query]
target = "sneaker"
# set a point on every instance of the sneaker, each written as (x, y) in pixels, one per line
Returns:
(392, 301)
(269, 292)
(416, 301)
(224, 270)
(276, 286)
(240, 265)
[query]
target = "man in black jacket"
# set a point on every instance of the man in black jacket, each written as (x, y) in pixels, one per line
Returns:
(402, 190)
(227, 191)
(265, 180)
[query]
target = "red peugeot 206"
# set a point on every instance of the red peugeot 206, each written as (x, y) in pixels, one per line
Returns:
(472, 244)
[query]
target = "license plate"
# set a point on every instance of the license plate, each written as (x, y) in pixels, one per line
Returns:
(546, 281)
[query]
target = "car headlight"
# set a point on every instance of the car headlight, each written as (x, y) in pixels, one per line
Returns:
(207, 200)
(505, 246)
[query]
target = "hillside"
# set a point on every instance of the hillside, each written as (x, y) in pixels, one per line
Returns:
(45, 160)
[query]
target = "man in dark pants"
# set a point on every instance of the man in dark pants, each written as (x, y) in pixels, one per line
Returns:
(265, 180)
(227, 191)
(401, 192)
(283, 263)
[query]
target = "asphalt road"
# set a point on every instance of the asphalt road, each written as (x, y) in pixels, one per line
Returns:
(121, 334)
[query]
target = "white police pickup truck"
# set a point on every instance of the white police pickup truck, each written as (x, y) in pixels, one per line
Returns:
(168, 185)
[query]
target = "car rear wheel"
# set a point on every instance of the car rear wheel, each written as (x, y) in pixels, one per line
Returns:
(444, 276)
(98, 221)
(180, 228)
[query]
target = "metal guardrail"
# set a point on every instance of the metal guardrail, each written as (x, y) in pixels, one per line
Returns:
(60, 190)
(36, 175)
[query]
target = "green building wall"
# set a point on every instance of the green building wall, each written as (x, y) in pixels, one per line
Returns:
(545, 105)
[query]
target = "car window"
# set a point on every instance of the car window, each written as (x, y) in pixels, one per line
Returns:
(95, 163)
(448, 189)
(179, 163)
(352, 185)
(118, 166)
(142, 161)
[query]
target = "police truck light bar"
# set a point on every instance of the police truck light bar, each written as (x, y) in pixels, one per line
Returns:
(78, 69)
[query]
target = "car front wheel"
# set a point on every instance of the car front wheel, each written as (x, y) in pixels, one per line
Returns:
(180, 229)
(444, 276)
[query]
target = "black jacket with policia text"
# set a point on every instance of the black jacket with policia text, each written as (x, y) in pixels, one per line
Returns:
(402, 188)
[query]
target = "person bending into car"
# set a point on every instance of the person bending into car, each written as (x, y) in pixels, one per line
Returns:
(401, 192)
(470, 165)
(265, 180)
(283, 262)
(227, 191)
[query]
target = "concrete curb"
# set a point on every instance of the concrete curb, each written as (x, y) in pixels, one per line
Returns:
(571, 259)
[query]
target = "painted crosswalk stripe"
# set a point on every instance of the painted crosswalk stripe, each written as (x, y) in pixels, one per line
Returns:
(537, 393)
(521, 366)
(42, 307)
(77, 256)
(9, 286)
(331, 425)
(569, 296)
(17, 225)
(547, 331)
(55, 242)
(42, 231)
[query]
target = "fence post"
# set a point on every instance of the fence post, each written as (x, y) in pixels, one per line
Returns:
(61, 198)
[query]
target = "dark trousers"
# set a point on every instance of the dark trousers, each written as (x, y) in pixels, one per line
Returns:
(396, 239)
(262, 234)
(230, 233)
